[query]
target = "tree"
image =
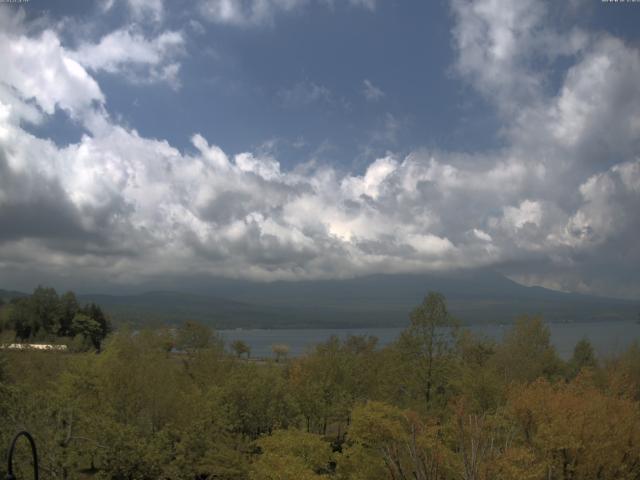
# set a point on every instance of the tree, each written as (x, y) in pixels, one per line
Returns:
(427, 344)
(240, 348)
(395, 443)
(44, 314)
(583, 357)
(23, 319)
(526, 353)
(3, 368)
(258, 399)
(94, 312)
(68, 309)
(577, 431)
(280, 350)
(327, 382)
(139, 383)
(194, 336)
(623, 373)
(475, 379)
(46, 306)
(87, 329)
(291, 455)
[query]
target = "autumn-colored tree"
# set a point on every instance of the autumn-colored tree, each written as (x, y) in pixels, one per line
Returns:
(484, 446)
(399, 442)
(577, 431)
(623, 373)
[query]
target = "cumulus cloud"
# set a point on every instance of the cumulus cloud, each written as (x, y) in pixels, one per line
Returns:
(553, 205)
(41, 75)
(130, 53)
(501, 47)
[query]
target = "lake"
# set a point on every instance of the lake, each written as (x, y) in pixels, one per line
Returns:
(606, 337)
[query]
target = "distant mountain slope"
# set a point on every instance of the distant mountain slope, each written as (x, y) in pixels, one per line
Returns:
(9, 294)
(167, 307)
(376, 300)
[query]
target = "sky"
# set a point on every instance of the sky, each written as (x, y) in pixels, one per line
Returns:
(154, 142)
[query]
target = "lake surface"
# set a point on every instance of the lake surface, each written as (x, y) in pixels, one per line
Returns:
(607, 338)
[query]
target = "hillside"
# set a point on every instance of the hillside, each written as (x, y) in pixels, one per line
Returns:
(377, 300)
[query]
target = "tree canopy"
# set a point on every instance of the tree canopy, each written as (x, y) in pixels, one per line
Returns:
(437, 404)
(46, 316)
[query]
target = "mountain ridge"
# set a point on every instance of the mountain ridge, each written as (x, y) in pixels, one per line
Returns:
(369, 301)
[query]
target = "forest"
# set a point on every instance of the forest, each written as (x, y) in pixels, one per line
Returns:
(437, 404)
(45, 316)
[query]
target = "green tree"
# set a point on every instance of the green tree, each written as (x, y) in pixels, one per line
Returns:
(46, 306)
(68, 308)
(583, 357)
(320, 384)
(87, 330)
(475, 379)
(23, 319)
(258, 399)
(291, 455)
(94, 312)
(427, 345)
(139, 382)
(194, 336)
(526, 352)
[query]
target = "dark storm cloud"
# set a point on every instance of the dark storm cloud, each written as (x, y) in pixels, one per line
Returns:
(34, 206)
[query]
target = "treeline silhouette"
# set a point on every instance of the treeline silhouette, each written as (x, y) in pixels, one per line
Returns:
(438, 403)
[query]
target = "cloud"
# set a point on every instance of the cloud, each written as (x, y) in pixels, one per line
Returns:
(252, 13)
(371, 92)
(501, 46)
(388, 129)
(139, 59)
(555, 204)
(370, 4)
(144, 8)
(42, 76)
(305, 93)
(246, 13)
(608, 206)
(141, 10)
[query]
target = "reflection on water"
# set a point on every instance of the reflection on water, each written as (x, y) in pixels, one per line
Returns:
(606, 337)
